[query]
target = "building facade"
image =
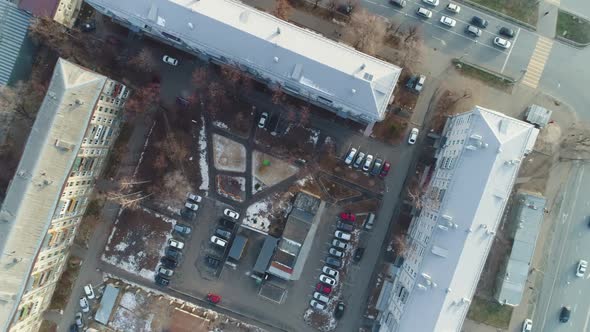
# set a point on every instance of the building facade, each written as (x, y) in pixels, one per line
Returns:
(66, 152)
(450, 237)
(303, 63)
(64, 12)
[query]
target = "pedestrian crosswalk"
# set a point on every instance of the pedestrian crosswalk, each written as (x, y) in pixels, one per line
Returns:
(537, 63)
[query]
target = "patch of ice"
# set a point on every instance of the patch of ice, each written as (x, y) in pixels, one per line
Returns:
(302, 182)
(203, 166)
(128, 301)
(220, 124)
(121, 246)
(242, 182)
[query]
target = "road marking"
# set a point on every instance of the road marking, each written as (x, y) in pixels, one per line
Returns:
(587, 320)
(510, 52)
(536, 65)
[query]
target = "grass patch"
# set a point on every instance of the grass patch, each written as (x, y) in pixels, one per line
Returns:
(495, 80)
(490, 313)
(65, 284)
(573, 28)
(522, 10)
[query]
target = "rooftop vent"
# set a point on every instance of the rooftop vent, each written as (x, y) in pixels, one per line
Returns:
(276, 59)
(190, 25)
(278, 30)
(368, 77)
(422, 287)
(79, 102)
(353, 91)
(447, 217)
(244, 17)
(444, 228)
(363, 66)
(62, 145)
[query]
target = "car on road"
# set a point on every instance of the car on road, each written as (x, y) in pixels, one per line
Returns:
(168, 262)
(78, 320)
(339, 244)
(359, 160)
(194, 198)
(339, 311)
(358, 254)
(334, 262)
(84, 305)
(173, 243)
(162, 281)
(369, 221)
(182, 229)
(527, 326)
(413, 136)
(345, 226)
(581, 269)
(347, 216)
(170, 60)
(350, 156)
(263, 119)
(423, 12)
(330, 271)
(191, 206)
(231, 213)
(173, 253)
(89, 291)
(445, 20)
(399, 3)
(385, 169)
(212, 262)
(343, 235)
(473, 31)
(479, 22)
(320, 297)
(433, 3)
(377, 167)
(218, 241)
(165, 272)
(223, 233)
(336, 253)
(453, 8)
(507, 32)
(501, 42)
(565, 313)
(328, 280)
(315, 304)
(323, 288)
(368, 163)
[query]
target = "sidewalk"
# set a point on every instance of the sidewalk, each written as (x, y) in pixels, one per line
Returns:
(547, 20)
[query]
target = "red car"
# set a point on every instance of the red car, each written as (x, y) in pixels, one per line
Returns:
(320, 287)
(347, 216)
(385, 169)
(213, 298)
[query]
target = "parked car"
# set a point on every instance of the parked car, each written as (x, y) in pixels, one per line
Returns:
(399, 3)
(416, 83)
(212, 262)
(473, 31)
(342, 235)
(88, 26)
(173, 253)
(433, 3)
(358, 254)
(501, 42)
(321, 297)
(334, 262)
(194, 198)
(315, 304)
(359, 160)
(453, 8)
(339, 311)
(168, 262)
(564, 315)
(320, 287)
(423, 12)
(73, 328)
(162, 281)
(89, 291)
(330, 271)
(78, 320)
(368, 163)
(231, 213)
(336, 252)
(339, 244)
(182, 229)
(479, 22)
(413, 136)
(165, 272)
(84, 305)
(346, 9)
(377, 167)
(218, 241)
(369, 221)
(350, 156)
(263, 119)
(173, 243)
(345, 227)
(507, 32)
(328, 280)
(170, 60)
(191, 206)
(445, 20)
(527, 326)
(223, 233)
(385, 169)
(581, 269)
(347, 216)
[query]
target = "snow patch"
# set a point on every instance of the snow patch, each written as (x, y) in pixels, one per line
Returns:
(313, 136)
(204, 167)
(121, 246)
(220, 124)
(257, 216)
(128, 301)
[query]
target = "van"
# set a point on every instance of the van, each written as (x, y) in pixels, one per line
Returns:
(320, 297)
(369, 222)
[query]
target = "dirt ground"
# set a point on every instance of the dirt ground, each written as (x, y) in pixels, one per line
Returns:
(292, 145)
(232, 187)
(228, 155)
(277, 171)
(237, 115)
(336, 190)
(334, 166)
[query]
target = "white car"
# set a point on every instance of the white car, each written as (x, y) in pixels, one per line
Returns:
(317, 305)
(445, 20)
(342, 235)
(231, 213)
(218, 241)
(327, 280)
(336, 253)
(330, 271)
(194, 198)
(321, 297)
(424, 12)
(368, 163)
(191, 206)
(350, 156)
(339, 244)
(170, 60)
(84, 305)
(165, 272)
(433, 3)
(453, 8)
(176, 244)
(79, 322)
(262, 120)
(89, 291)
(581, 269)
(503, 43)
(527, 326)
(413, 136)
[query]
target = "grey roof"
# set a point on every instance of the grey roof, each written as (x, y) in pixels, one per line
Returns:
(298, 224)
(527, 218)
(237, 247)
(538, 115)
(270, 45)
(14, 24)
(268, 249)
(107, 303)
(307, 202)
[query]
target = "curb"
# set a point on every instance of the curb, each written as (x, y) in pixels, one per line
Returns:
(568, 41)
(498, 14)
(504, 78)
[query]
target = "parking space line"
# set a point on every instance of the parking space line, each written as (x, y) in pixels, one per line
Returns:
(510, 52)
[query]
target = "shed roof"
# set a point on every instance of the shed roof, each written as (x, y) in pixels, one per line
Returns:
(13, 30)
(237, 247)
(538, 115)
(268, 249)
(107, 303)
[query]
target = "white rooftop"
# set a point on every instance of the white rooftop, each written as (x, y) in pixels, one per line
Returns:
(334, 70)
(478, 190)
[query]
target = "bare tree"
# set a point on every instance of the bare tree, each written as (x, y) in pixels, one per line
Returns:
(235, 79)
(278, 96)
(144, 60)
(143, 98)
(365, 32)
(215, 98)
(413, 34)
(200, 77)
(22, 99)
(282, 9)
(304, 115)
(400, 244)
(332, 5)
(315, 3)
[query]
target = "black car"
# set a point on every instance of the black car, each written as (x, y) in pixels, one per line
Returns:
(479, 22)
(188, 214)
(358, 254)
(224, 233)
(212, 262)
(507, 32)
(333, 262)
(339, 311)
(345, 226)
(182, 229)
(168, 262)
(162, 281)
(564, 315)
(346, 9)
(173, 253)
(377, 167)
(74, 328)
(399, 3)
